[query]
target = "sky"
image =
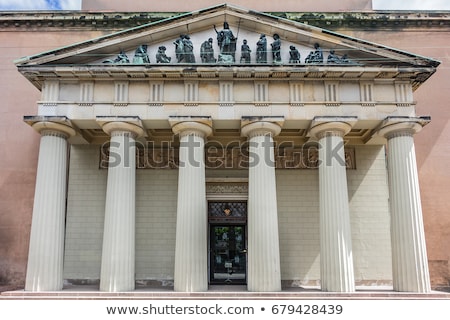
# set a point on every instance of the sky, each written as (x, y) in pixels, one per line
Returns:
(40, 5)
(410, 4)
(76, 4)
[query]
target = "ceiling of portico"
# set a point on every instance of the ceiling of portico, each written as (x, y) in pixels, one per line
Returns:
(227, 133)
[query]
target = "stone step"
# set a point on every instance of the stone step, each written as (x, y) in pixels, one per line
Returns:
(220, 293)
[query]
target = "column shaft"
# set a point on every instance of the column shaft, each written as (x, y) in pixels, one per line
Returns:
(191, 265)
(263, 243)
(45, 258)
(118, 255)
(409, 255)
(335, 236)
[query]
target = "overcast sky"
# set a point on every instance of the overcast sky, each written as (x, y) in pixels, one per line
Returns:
(76, 4)
(410, 4)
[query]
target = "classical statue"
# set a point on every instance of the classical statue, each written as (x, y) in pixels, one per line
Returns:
(140, 55)
(245, 52)
(207, 52)
(184, 49)
(188, 50)
(179, 48)
(161, 56)
(315, 56)
(226, 41)
(333, 58)
(276, 48)
(261, 49)
(345, 60)
(294, 55)
(121, 58)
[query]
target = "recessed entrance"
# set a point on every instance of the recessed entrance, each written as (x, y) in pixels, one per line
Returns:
(227, 242)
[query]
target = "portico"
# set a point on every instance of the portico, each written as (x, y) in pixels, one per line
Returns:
(272, 173)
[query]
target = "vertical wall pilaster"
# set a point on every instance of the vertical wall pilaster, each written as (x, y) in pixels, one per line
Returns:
(46, 251)
(264, 271)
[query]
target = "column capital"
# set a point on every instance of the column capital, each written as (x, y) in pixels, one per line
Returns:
(188, 125)
(59, 126)
(401, 126)
(331, 126)
(131, 124)
(253, 126)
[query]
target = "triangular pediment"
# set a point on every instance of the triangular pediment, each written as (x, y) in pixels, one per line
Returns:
(244, 24)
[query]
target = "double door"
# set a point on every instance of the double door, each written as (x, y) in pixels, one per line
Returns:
(227, 242)
(228, 254)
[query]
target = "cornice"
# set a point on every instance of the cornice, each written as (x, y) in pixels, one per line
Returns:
(38, 74)
(113, 21)
(380, 20)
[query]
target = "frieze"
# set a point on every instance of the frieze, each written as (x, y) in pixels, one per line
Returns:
(229, 158)
(226, 188)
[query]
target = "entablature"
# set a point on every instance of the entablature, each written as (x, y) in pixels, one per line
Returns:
(38, 74)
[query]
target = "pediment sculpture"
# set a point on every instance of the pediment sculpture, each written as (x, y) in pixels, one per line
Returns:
(227, 42)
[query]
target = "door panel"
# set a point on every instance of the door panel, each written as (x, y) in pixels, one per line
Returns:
(228, 258)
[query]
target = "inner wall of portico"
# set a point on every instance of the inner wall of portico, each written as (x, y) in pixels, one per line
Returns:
(298, 216)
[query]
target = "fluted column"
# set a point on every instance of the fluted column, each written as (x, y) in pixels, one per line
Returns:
(191, 256)
(46, 251)
(336, 259)
(409, 254)
(264, 272)
(118, 254)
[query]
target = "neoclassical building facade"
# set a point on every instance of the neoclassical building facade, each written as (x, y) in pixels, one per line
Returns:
(227, 146)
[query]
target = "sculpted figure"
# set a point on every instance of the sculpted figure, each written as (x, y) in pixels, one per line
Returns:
(226, 41)
(315, 56)
(161, 56)
(121, 58)
(140, 55)
(179, 48)
(333, 58)
(188, 50)
(207, 52)
(346, 60)
(276, 49)
(184, 49)
(294, 55)
(245, 52)
(261, 49)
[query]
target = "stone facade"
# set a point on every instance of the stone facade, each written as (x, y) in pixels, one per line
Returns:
(84, 235)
